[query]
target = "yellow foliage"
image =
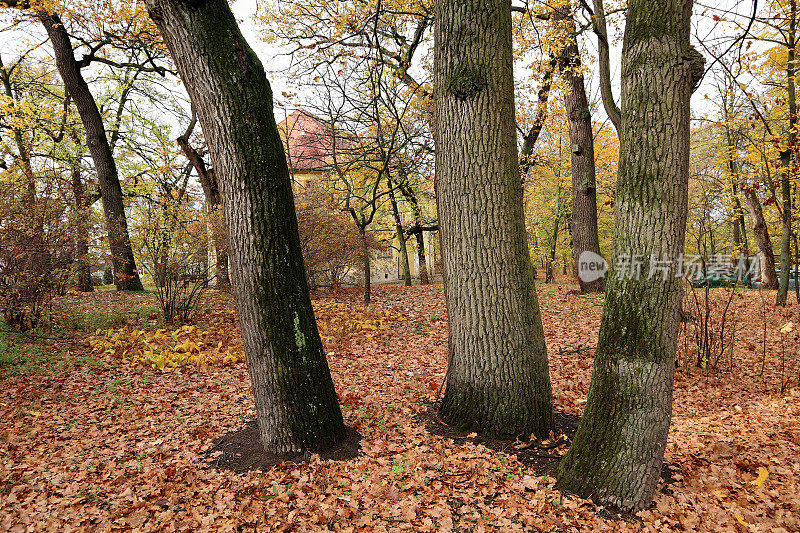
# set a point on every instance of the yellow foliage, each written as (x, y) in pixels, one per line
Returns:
(338, 320)
(163, 349)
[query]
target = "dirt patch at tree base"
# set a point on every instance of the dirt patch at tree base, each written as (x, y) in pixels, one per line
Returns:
(242, 451)
(541, 457)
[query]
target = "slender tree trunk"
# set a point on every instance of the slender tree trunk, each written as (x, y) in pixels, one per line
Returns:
(498, 380)
(617, 452)
(367, 270)
(584, 186)
(401, 235)
(769, 278)
(603, 48)
(294, 394)
(409, 195)
(530, 138)
(423, 262)
(84, 275)
(125, 274)
(786, 160)
(208, 182)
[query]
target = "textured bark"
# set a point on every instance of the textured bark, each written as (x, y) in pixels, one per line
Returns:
(617, 452)
(769, 278)
(125, 275)
(584, 185)
(295, 399)
(498, 380)
(787, 157)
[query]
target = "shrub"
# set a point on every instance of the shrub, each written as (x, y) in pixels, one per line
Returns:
(37, 255)
(332, 248)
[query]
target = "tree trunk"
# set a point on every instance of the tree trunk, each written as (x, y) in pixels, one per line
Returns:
(409, 195)
(786, 161)
(294, 394)
(84, 275)
(498, 380)
(769, 278)
(617, 452)
(367, 274)
(208, 182)
(401, 235)
(423, 261)
(584, 187)
(125, 274)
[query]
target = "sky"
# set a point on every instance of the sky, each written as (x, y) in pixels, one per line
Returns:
(276, 62)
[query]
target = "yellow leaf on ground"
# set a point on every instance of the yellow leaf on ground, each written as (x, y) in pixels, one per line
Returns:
(762, 476)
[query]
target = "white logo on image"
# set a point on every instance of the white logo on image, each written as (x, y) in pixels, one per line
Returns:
(591, 266)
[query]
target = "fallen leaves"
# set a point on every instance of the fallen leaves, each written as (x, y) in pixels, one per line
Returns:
(163, 349)
(119, 446)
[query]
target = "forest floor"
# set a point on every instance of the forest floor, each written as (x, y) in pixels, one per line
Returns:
(114, 431)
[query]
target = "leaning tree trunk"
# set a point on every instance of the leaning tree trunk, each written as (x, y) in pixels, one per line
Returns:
(769, 278)
(617, 452)
(295, 398)
(584, 186)
(125, 274)
(498, 380)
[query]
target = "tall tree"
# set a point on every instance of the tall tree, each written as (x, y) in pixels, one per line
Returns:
(498, 379)
(295, 398)
(125, 274)
(579, 117)
(617, 452)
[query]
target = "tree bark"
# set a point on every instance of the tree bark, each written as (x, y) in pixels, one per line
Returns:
(125, 274)
(367, 274)
(584, 186)
(409, 195)
(617, 452)
(498, 380)
(84, 274)
(769, 278)
(295, 400)
(208, 182)
(786, 160)
(400, 233)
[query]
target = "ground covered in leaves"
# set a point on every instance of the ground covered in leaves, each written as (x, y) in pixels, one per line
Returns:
(108, 420)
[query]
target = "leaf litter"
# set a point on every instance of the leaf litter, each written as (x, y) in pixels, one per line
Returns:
(98, 442)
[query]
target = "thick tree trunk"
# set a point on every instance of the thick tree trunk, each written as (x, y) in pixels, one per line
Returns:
(294, 394)
(498, 380)
(400, 233)
(125, 274)
(584, 187)
(617, 452)
(84, 275)
(769, 278)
